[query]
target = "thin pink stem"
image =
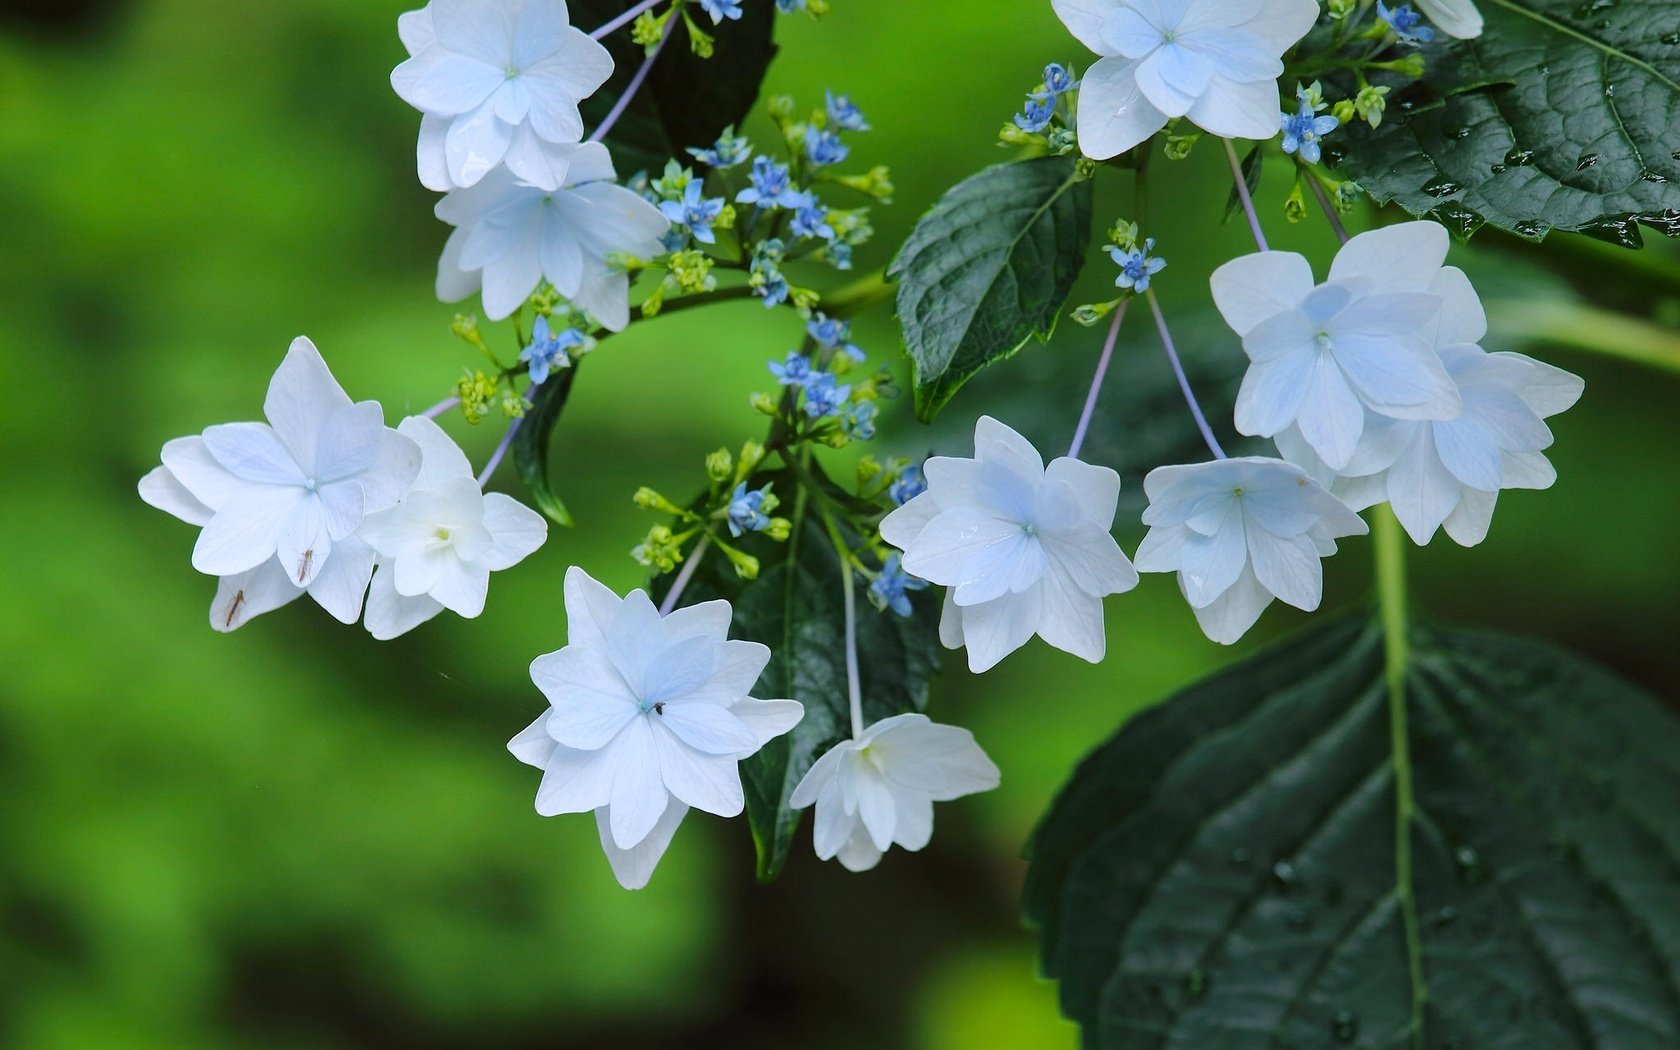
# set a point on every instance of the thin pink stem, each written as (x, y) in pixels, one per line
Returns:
(1329, 210)
(1096, 381)
(501, 451)
(628, 16)
(1242, 195)
(1183, 380)
(680, 584)
(441, 407)
(635, 84)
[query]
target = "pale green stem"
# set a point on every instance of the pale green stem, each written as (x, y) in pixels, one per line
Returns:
(1581, 327)
(1389, 543)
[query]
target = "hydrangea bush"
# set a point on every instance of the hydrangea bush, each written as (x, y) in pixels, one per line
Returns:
(592, 175)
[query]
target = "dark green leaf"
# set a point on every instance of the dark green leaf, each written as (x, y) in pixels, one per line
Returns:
(1221, 873)
(687, 100)
(1563, 114)
(796, 607)
(987, 268)
(531, 441)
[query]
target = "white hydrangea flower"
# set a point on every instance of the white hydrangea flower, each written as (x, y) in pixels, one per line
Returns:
(649, 714)
(1216, 62)
(880, 789)
(1239, 532)
(510, 235)
(1024, 549)
(496, 81)
(1448, 473)
(279, 503)
(1322, 355)
(438, 546)
(1456, 18)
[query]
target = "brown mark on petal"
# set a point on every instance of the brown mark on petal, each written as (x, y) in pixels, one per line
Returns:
(659, 708)
(303, 565)
(233, 609)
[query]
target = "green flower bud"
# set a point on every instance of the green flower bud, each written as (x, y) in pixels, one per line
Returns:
(1347, 195)
(1177, 147)
(765, 404)
(835, 438)
(1295, 205)
(868, 469)
(1010, 135)
(1062, 142)
(804, 300)
(647, 29)
(655, 300)
(720, 465)
(781, 107)
(1123, 234)
(746, 566)
(1084, 168)
(1340, 9)
(1343, 110)
(779, 529)
(1370, 103)
(752, 453)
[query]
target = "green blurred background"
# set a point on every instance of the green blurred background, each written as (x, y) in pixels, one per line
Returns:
(294, 836)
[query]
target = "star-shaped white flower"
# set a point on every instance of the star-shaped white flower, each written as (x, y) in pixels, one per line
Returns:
(497, 81)
(648, 714)
(438, 546)
(1448, 473)
(1322, 355)
(1457, 18)
(1025, 549)
(1239, 532)
(880, 789)
(510, 235)
(280, 502)
(1214, 61)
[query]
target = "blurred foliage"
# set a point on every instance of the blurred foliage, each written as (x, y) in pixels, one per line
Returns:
(294, 836)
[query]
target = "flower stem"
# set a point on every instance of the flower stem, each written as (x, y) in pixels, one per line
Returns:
(1242, 195)
(1183, 380)
(680, 584)
(501, 450)
(1390, 546)
(441, 407)
(1329, 210)
(1096, 381)
(854, 693)
(628, 16)
(634, 86)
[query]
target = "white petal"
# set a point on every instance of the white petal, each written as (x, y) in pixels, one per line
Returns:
(1210, 564)
(343, 580)
(1272, 393)
(1097, 487)
(707, 728)
(1456, 18)
(253, 452)
(633, 867)
(1084, 19)
(196, 469)
(533, 745)
(461, 588)
(1421, 490)
(475, 143)
(590, 607)
(639, 797)
(389, 614)
(832, 826)
(304, 543)
(484, 30)
(245, 532)
(1331, 417)
(414, 29)
(1281, 23)
(1405, 257)
(245, 595)
(859, 853)
(161, 489)
(707, 782)
(962, 545)
(1113, 115)
(994, 630)
(1468, 523)
(1462, 318)
(942, 762)
(1288, 568)
(767, 719)
(876, 807)
(302, 396)
(1230, 616)
(1526, 470)
(819, 777)
(1251, 288)
(901, 527)
(1173, 77)
(453, 282)
(536, 160)
(515, 529)
(950, 623)
(576, 781)
(1237, 110)
(591, 703)
(1091, 559)
(1071, 618)
(1549, 390)
(1162, 550)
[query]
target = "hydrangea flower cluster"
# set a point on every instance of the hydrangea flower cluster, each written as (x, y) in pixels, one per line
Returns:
(313, 499)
